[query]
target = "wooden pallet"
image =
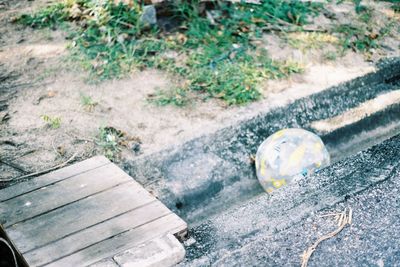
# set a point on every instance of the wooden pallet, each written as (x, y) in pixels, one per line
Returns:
(81, 214)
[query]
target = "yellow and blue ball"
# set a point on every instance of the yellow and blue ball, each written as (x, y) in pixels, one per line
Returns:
(289, 155)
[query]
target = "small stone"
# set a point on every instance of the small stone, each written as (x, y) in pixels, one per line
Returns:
(149, 15)
(136, 148)
(190, 242)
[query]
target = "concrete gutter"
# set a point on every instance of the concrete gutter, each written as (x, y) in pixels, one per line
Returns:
(212, 173)
(355, 115)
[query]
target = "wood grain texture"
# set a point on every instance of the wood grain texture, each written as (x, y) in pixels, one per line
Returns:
(76, 216)
(122, 242)
(56, 195)
(82, 214)
(97, 233)
(52, 177)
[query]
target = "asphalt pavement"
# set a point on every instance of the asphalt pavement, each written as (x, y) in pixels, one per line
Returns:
(275, 230)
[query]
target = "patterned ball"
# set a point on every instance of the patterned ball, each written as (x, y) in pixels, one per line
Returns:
(289, 155)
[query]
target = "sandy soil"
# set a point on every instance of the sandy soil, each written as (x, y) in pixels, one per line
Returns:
(27, 144)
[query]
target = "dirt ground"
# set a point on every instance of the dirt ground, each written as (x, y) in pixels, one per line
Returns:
(49, 85)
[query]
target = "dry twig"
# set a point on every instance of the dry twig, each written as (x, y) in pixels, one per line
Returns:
(46, 170)
(344, 218)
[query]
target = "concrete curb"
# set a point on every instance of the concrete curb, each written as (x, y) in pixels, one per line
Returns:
(209, 174)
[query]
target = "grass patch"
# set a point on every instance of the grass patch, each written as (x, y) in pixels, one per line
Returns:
(176, 96)
(216, 56)
(112, 140)
(311, 40)
(50, 16)
(362, 38)
(108, 139)
(363, 34)
(330, 55)
(87, 102)
(356, 38)
(51, 122)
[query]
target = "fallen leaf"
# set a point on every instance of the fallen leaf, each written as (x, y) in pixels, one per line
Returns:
(373, 35)
(51, 93)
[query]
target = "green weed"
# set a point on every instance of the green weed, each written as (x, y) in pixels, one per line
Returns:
(108, 139)
(50, 16)
(111, 141)
(46, 73)
(87, 102)
(219, 59)
(177, 97)
(53, 122)
(364, 33)
(216, 56)
(310, 40)
(358, 6)
(330, 55)
(395, 5)
(361, 38)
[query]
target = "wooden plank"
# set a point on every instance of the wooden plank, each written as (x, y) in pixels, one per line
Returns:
(20, 260)
(82, 214)
(119, 243)
(52, 177)
(97, 233)
(61, 193)
(76, 216)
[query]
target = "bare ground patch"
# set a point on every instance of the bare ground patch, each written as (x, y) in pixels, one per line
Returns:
(28, 143)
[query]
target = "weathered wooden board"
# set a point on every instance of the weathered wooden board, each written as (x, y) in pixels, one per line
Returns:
(46, 198)
(52, 177)
(97, 233)
(121, 242)
(81, 214)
